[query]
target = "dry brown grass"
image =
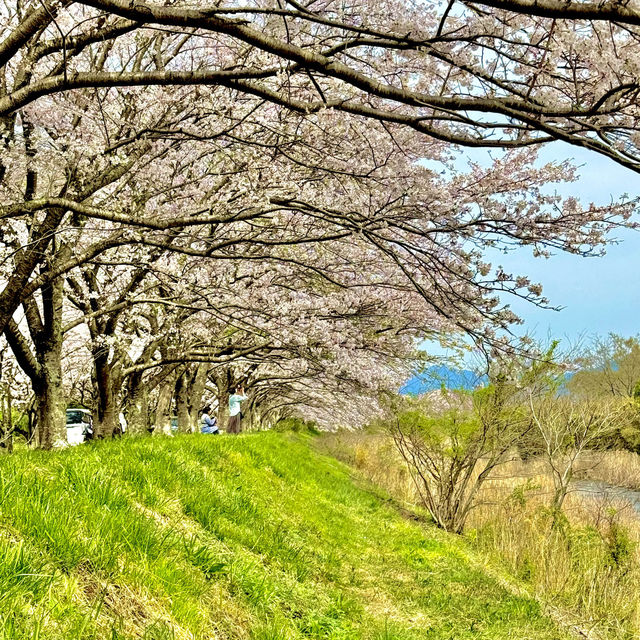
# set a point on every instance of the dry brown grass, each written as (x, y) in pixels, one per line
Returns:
(376, 458)
(589, 562)
(619, 468)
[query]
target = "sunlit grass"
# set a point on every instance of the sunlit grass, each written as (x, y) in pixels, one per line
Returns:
(255, 537)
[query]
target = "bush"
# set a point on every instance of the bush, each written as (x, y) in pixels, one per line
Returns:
(297, 425)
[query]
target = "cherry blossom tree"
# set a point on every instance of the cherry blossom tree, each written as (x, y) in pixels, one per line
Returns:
(314, 142)
(37, 50)
(501, 73)
(423, 270)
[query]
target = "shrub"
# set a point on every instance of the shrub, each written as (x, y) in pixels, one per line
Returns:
(297, 425)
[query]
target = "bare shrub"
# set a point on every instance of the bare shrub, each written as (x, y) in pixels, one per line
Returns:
(569, 429)
(451, 451)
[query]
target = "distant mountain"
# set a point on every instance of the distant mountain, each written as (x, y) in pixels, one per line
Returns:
(434, 377)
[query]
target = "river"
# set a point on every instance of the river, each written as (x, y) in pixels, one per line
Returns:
(597, 490)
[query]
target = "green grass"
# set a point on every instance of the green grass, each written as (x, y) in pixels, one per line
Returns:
(256, 536)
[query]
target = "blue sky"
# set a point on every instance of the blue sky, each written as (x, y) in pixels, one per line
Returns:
(599, 295)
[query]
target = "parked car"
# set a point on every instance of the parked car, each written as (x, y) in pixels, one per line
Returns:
(79, 425)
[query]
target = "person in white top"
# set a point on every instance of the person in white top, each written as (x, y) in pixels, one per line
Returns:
(122, 421)
(235, 412)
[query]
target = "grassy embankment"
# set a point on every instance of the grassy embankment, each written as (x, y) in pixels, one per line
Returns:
(588, 564)
(257, 536)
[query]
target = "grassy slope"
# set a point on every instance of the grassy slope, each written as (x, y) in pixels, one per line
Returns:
(255, 536)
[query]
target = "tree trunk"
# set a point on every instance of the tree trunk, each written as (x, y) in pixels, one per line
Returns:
(248, 415)
(107, 380)
(162, 424)
(182, 401)
(559, 494)
(223, 407)
(7, 415)
(51, 400)
(43, 363)
(223, 379)
(137, 405)
(196, 391)
(51, 407)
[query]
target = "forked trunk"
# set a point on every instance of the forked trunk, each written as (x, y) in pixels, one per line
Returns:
(43, 365)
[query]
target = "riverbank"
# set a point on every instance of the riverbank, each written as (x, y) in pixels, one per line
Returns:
(255, 537)
(587, 562)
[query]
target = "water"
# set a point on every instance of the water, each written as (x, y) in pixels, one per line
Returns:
(598, 490)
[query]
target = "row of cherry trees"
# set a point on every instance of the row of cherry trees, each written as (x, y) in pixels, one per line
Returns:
(270, 193)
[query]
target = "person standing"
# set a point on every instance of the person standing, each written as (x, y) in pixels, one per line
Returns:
(235, 411)
(122, 421)
(209, 424)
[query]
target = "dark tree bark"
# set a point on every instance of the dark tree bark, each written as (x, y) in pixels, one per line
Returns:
(43, 364)
(196, 392)
(181, 394)
(164, 406)
(108, 380)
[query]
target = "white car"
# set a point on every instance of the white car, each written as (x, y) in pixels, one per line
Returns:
(79, 425)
